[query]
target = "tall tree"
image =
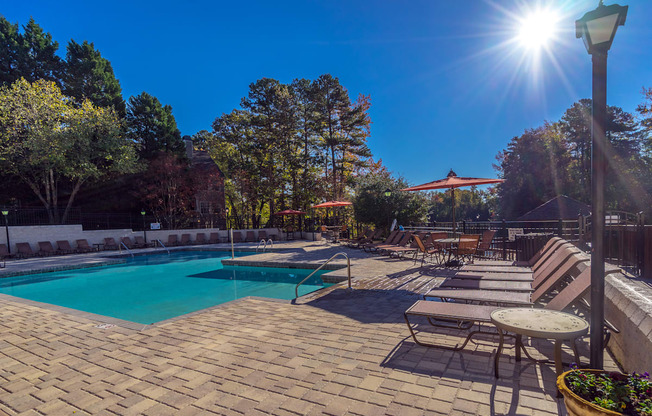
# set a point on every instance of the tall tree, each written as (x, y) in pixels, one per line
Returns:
(10, 42)
(89, 76)
(55, 147)
(153, 127)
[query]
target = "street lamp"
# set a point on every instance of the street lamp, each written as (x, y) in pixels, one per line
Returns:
(142, 212)
(388, 193)
(597, 29)
(6, 215)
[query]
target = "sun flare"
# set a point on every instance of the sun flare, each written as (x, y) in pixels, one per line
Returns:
(538, 29)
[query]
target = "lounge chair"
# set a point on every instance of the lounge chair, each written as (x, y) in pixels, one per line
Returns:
(185, 240)
(406, 237)
(172, 240)
(84, 247)
(63, 247)
(251, 236)
(375, 235)
(141, 243)
(410, 247)
(200, 238)
(391, 239)
(24, 250)
(464, 316)
(237, 237)
(214, 238)
(45, 248)
(110, 244)
(4, 252)
(262, 235)
(541, 286)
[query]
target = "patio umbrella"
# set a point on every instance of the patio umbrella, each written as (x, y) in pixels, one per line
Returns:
(289, 212)
(332, 204)
(451, 182)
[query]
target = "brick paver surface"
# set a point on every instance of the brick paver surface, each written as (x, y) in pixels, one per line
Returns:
(337, 353)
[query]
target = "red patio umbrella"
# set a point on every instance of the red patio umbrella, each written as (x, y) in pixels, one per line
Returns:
(451, 182)
(289, 212)
(332, 204)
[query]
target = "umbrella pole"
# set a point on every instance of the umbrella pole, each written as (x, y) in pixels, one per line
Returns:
(453, 202)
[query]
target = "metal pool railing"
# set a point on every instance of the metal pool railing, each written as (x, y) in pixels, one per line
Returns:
(348, 265)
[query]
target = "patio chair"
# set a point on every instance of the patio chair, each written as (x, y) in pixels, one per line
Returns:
(172, 240)
(141, 243)
(237, 237)
(250, 236)
(425, 251)
(185, 240)
(4, 252)
(200, 238)
(24, 250)
(214, 238)
(464, 316)
(84, 247)
(63, 247)
(485, 243)
(467, 247)
(45, 248)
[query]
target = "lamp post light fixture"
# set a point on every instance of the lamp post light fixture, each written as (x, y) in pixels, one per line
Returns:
(142, 212)
(5, 213)
(597, 29)
(388, 193)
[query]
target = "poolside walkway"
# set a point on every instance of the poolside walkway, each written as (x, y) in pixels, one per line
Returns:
(338, 352)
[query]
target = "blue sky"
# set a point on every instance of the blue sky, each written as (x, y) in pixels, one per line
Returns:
(449, 88)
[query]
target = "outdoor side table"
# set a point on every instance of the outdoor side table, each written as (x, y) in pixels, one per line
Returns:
(538, 323)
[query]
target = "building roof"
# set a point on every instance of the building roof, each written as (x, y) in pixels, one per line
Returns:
(560, 207)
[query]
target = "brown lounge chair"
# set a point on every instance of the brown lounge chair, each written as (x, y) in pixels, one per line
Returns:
(237, 237)
(412, 248)
(464, 316)
(63, 247)
(251, 236)
(141, 243)
(185, 240)
(364, 237)
(485, 243)
(127, 242)
(45, 248)
(110, 244)
(24, 250)
(387, 248)
(84, 247)
(262, 235)
(172, 240)
(214, 238)
(200, 238)
(391, 239)
(4, 252)
(467, 247)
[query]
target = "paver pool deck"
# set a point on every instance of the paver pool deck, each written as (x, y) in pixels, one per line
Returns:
(333, 352)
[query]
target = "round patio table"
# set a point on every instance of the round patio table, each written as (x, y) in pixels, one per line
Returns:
(538, 323)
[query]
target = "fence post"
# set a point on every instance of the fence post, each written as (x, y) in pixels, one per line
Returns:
(504, 240)
(640, 244)
(560, 228)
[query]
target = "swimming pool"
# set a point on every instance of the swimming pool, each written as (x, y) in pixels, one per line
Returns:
(149, 289)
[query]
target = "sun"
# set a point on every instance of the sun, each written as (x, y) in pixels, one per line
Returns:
(538, 29)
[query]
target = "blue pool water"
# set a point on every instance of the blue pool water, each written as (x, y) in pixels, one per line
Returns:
(153, 288)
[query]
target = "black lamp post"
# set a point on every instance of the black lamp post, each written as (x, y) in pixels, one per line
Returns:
(144, 227)
(597, 29)
(5, 213)
(388, 193)
(227, 217)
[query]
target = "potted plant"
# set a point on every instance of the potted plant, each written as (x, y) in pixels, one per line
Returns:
(597, 392)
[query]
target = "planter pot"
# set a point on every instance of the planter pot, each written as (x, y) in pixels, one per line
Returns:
(577, 406)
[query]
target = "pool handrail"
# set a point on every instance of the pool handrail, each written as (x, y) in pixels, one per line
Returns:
(264, 243)
(163, 245)
(348, 265)
(122, 243)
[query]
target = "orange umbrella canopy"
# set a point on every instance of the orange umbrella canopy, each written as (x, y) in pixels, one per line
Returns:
(452, 181)
(331, 204)
(289, 212)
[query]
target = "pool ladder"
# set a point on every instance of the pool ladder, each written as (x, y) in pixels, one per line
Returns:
(122, 244)
(348, 266)
(264, 243)
(163, 245)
